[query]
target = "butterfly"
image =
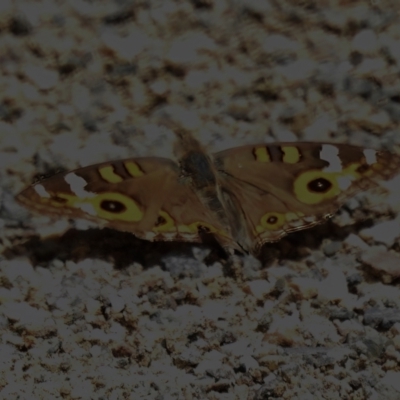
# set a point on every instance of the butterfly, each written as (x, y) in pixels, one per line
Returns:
(244, 196)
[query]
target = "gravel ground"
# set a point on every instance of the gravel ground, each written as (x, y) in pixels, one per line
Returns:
(96, 314)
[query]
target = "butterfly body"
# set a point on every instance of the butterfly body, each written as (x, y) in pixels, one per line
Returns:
(245, 196)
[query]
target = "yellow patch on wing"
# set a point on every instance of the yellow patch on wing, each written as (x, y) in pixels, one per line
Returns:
(274, 221)
(271, 221)
(109, 205)
(108, 174)
(316, 186)
(261, 154)
(133, 169)
(165, 223)
(291, 154)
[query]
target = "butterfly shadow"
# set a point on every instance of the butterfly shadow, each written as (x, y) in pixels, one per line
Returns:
(123, 249)
(119, 248)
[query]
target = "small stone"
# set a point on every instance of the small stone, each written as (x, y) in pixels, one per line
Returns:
(34, 320)
(365, 41)
(392, 378)
(43, 78)
(306, 287)
(126, 47)
(331, 248)
(396, 342)
(117, 303)
(339, 313)
(321, 329)
(385, 232)
(385, 264)
(260, 288)
(384, 318)
(284, 331)
(355, 241)
(334, 287)
(183, 267)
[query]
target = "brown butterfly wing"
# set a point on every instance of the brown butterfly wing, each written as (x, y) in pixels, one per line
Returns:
(145, 196)
(280, 188)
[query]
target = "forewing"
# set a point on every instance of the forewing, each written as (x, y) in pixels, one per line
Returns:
(280, 188)
(145, 196)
